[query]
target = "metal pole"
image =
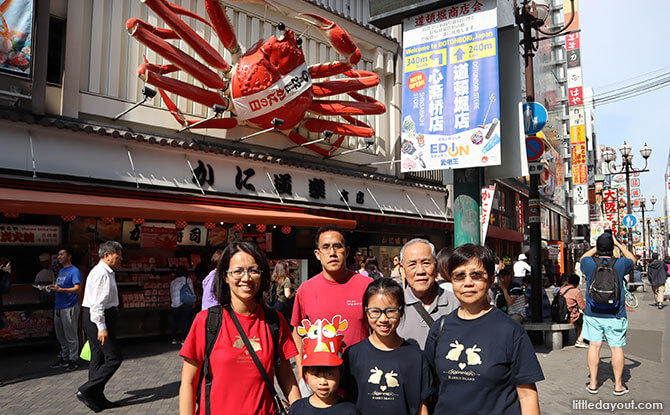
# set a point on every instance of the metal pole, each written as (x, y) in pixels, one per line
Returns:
(629, 210)
(644, 233)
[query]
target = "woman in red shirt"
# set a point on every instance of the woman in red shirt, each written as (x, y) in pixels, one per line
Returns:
(237, 386)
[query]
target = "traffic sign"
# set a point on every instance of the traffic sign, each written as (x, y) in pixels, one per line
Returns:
(534, 117)
(535, 167)
(629, 221)
(534, 148)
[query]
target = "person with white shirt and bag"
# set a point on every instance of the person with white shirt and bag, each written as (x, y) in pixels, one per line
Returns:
(101, 299)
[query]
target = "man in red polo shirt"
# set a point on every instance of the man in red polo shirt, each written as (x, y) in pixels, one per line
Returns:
(336, 291)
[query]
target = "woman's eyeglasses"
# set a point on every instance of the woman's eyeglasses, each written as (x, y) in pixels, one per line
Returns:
(474, 276)
(374, 313)
(239, 273)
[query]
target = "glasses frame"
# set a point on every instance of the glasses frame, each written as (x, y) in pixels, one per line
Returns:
(384, 312)
(337, 247)
(469, 275)
(245, 272)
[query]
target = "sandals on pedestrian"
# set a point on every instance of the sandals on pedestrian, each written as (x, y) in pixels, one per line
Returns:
(593, 391)
(621, 392)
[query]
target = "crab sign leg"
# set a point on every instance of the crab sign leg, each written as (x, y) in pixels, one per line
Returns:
(222, 26)
(224, 123)
(339, 86)
(339, 38)
(316, 126)
(298, 139)
(165, 11)
(188, 91)
(199, 71)
(335, 107)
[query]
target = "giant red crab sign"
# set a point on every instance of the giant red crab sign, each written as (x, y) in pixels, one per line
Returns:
(270, 81)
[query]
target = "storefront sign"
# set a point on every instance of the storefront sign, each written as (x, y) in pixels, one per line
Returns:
(27, 324)
(192, 235)
(156, 237)
(451, 100)
(34, 235)
(597, 229)
(487, 200)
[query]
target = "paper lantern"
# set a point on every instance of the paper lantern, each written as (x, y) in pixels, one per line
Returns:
(261, 227)
(210, 225)
(68, 218)
(286, 230)
(180, 224)
(239, 227)
(11, 215)
(138, 221)
(107, 220)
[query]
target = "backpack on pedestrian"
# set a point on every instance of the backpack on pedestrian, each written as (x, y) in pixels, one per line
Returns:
(186, 295)
(605, 288)
(499, 299)
(374, 274)
(560, 313)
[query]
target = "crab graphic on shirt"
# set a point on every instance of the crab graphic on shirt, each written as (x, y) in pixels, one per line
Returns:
(323, 329)
(255, 344)
(390, 378)
(471, 353)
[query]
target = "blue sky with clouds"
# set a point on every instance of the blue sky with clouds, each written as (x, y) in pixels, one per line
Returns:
(622, 41)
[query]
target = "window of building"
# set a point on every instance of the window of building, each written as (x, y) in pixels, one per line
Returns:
(56, 52)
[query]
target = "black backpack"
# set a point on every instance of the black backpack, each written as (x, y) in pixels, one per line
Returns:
(605, 289)
(213, 326)
(499, 299)
(374, 274)
(560, 313)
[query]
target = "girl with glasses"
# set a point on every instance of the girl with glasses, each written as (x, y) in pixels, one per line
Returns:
(386, 374)
(484, 360)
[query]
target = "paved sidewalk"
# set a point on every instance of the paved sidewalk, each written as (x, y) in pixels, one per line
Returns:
(148, 380)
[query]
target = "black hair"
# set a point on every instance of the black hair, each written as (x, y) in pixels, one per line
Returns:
(181, 271)
(340, 369)
(605, 244)
(503, 271)
(465, 253)
(371, 264)
(528, 279)
(221, 287)
(443, 263)
(385, 286)
(329, 228)
(573, 279)
(67, 249)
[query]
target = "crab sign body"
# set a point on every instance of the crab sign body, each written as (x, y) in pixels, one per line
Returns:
(270, 81)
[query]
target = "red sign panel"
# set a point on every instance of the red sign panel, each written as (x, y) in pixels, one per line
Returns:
(153, 237)
(580, 174)
(635, 182)
(572, 41)
(575, 96)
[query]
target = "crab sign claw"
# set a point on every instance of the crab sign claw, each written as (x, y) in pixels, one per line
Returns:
(339, 38)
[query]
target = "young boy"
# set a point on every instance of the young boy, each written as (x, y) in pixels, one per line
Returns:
(322, 370)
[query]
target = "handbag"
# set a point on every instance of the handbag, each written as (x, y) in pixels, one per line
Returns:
(86, 352)
(280, 409)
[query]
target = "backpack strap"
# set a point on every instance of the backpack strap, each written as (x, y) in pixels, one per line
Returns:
(272, 318)
(212, 328)
(439, 333)
(418, 306)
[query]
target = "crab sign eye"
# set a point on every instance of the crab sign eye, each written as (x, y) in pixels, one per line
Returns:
(313, 332)
(329, 332)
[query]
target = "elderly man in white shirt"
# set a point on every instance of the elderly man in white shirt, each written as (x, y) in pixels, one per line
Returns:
(100, 303)
(520, 267)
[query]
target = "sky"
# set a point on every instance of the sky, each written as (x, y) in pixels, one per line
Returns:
(621, 42)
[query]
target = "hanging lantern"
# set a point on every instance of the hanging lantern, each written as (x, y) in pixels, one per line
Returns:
(261, 227)
(180, 224)
(210, 225)
(68, 218)
(107, 220)
(11, 215)
(138, 221)
(239, 227)
(285, 230)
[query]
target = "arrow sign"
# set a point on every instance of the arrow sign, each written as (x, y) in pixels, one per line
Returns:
(437, 57)
(629, 221)
(459, 54)
(534, 148)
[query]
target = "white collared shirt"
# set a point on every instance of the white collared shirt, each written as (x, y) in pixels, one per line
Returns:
(100, 293)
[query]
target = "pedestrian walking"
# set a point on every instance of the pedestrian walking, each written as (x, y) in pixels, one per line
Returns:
(484, 360)
(182, 300)
(67, 310)
(657, 273)
(605, 311)
(333, 292)
(666, 296)
(101, 299)
(397, 272)
(371, 268)
(232, 375)
(281, 278)
(208, 296)
(426, 300)
(385, 373)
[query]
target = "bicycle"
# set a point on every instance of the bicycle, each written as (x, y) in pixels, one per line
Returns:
(631, 299)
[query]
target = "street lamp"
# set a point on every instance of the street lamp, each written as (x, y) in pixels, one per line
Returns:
(530, 16)
(643, 209)
(609, 155)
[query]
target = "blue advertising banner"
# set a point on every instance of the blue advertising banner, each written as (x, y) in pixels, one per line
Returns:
(16, 33)
(450, 104)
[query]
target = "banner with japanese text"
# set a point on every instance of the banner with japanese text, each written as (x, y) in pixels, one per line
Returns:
(35, 235)
(451, 101)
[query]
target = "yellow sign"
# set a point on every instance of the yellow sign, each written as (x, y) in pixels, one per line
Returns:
(474, 50)
(578, 134)
(431, 59)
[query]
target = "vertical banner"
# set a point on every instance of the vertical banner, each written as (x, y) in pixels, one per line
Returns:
(16, 34)
(450, 100)
(487, 201)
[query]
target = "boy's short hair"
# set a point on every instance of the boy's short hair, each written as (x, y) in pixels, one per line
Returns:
(306, 369)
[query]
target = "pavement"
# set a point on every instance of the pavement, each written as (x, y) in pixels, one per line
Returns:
(148, 380)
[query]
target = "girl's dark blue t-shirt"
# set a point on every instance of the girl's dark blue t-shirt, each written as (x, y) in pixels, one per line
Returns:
(304, 407)
(387, 382)
(480, 362)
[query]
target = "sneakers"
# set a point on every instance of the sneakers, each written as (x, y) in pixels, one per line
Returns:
(59, 364)
(71, 365)
(175, 342)
(581, 344)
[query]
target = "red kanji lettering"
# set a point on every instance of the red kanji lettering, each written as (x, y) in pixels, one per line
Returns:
(441, 15)
(476, 6)
(453, 12)
(430, 18)
(28, 237)
(465, 9)
(6, 236)
(418, 21)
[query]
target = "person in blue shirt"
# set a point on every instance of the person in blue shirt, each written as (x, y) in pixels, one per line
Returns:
(484, 360)
(608, 322)
(546, 304)
(66, 316)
